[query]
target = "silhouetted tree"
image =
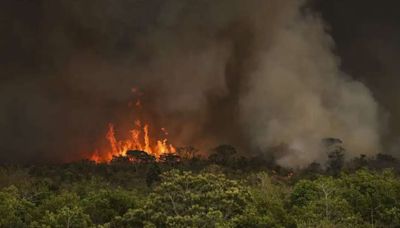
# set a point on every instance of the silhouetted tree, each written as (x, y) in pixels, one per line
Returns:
(119, 160)
(187, 152)
(384, 161)
(335, 152)
(139, 156)
(153, 174)
(222, 155)
(241, 163)
(357, 163)
(312, 171)
(170, 159)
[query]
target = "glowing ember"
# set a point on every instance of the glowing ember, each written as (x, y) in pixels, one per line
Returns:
(139, 140)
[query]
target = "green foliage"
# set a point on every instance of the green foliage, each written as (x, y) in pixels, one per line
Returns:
(16, 176)
(103, 205)
(357, 199)
(228, 194)
(57, 201)
(184, 199)
(61, 210)
(321, 200)
(14, 210)
(66, 216)
(375, 196)
(267, 208)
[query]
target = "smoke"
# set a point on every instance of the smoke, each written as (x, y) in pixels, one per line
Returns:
(368, 44)
(254, 73)
(298, 95)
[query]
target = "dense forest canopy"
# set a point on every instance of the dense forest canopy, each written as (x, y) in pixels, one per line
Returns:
(223, 190)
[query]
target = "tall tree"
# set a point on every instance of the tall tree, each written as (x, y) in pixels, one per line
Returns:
(335, 151)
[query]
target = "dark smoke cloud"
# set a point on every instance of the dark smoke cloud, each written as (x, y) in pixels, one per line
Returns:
(252, 73)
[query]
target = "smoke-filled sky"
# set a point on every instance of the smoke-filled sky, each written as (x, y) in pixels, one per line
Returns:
(251, 73)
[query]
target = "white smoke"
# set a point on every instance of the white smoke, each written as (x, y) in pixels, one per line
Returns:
(298, 95)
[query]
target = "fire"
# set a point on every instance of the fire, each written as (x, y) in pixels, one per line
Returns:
(139, 140)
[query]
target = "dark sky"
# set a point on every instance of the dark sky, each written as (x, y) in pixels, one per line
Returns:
(39, 38)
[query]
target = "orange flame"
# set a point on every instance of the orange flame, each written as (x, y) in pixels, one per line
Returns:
(136, 142)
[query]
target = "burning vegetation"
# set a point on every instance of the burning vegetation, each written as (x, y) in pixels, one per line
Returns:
(140, 140)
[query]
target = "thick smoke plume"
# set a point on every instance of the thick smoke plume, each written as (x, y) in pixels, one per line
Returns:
(254, 73)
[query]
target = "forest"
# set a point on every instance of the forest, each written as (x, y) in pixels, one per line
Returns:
(199, 113)
(186, 189)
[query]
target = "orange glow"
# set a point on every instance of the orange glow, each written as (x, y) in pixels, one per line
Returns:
(138, 104)
(139, 140)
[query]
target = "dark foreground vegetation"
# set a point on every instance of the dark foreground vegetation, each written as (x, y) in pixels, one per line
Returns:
(185, 190)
